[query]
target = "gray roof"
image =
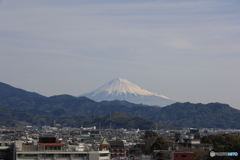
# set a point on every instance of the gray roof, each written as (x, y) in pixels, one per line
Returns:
(116, 143)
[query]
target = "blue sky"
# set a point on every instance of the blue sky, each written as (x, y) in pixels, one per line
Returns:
(185, 50)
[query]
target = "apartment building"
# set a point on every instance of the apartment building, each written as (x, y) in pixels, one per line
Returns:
(49, 149)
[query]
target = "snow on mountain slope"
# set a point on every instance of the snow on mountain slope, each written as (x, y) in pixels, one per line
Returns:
(122, 89)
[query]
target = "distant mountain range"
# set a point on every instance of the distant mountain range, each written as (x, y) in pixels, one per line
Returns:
(122, 89)
(19, 107)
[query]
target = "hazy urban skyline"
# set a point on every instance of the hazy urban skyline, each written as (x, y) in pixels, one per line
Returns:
(185, 50)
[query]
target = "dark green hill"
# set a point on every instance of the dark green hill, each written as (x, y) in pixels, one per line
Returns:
(124, 103)
(19, 105)
(212, 115)
(7, 90)
(120, 120)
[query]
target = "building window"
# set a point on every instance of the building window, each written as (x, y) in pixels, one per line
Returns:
(103, 155)
(80, 155)
(19, 155)
(30, 155)
(63, 155)
(49, 155)
(184, 156)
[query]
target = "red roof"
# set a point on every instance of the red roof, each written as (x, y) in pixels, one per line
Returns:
(51, 144)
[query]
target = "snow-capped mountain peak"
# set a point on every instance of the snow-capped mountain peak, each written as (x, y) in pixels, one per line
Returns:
(120, 86)
(122, 89)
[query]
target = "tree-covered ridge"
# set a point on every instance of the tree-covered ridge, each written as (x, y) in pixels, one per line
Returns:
(19, 105)
(212, 115)
(17, 117)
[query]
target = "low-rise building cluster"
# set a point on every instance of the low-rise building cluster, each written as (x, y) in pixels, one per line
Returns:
(52, 143)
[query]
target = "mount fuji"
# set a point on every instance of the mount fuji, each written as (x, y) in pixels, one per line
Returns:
(122, 89)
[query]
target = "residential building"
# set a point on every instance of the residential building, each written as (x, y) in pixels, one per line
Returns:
(50, 149)
(117, 149)
(6, 150)
(173, 155)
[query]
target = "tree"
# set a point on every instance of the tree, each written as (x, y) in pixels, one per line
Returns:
(201, 154)
(224, 143)
(159, 144)
(177, 137)
(149, 134)
(149, 138)
(197, 136)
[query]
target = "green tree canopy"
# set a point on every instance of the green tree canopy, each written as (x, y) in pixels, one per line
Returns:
(159, 144)
(149, 134)
(224, 143)
(177, 137)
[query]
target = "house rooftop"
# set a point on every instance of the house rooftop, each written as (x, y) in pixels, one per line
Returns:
(51, 144)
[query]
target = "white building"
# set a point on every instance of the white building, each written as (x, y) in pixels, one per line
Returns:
(55, 151)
